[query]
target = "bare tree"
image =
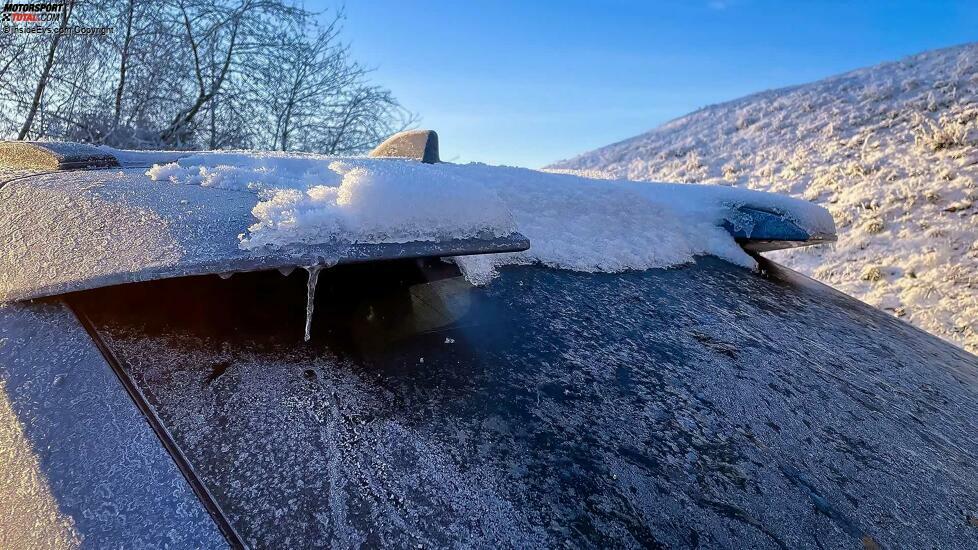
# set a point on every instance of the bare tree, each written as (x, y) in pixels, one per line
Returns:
(124, 56)
(192, 74)
(42, 82)
(318, 99)
(206, 91)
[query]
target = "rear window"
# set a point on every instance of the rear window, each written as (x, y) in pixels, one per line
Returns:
(702, 405)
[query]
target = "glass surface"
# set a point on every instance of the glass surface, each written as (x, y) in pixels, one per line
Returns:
(705, 405)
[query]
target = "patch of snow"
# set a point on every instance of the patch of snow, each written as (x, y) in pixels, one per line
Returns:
(592, 225)
(315, 199)
(891, 151)
(572, 222)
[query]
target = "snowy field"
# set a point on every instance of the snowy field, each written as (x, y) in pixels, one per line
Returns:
(891, 151)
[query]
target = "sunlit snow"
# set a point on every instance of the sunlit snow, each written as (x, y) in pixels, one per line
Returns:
(572, 222)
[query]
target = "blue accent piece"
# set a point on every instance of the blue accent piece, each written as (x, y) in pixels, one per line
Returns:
(751, 224)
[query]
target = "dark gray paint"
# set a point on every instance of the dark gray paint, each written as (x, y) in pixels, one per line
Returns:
(100, 465)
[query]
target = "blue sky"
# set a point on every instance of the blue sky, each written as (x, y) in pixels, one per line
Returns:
(531, 82)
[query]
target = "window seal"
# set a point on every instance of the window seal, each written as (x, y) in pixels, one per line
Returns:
(166, 438)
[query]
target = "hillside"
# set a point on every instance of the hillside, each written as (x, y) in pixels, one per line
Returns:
(890, 150)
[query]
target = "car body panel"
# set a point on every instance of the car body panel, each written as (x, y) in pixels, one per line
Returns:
(81, 466)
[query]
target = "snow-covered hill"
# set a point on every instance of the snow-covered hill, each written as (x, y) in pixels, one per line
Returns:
(891, 151)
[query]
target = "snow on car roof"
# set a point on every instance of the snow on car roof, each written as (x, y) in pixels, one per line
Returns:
(178, 214)
(572, 222)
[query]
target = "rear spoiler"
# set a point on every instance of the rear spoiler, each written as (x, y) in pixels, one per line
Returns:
(64, 233)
